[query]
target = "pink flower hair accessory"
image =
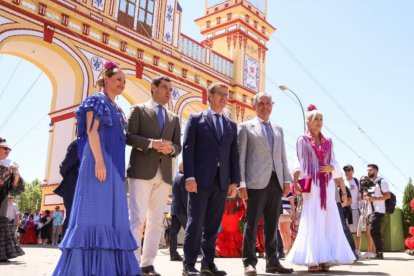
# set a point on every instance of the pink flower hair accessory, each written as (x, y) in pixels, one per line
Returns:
(110, 65)
(311, 107)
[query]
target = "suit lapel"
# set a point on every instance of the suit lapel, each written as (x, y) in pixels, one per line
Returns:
(260, 132)
(169, 119)
(149, 109)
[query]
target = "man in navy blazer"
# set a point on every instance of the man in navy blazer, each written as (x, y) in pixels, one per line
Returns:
(69, 169)
(178, 211)
(211, 162)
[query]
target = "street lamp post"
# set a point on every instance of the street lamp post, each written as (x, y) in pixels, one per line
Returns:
(285, 88)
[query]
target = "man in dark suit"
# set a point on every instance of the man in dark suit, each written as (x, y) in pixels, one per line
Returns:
(178, 211)
(211, 162)
(69, 170)
(154, 135)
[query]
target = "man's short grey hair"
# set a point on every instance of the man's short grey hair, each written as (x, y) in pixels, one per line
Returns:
(259, 95)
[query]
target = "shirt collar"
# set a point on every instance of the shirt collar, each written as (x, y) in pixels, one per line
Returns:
(212, 112)
(154, 104)
(263, 121)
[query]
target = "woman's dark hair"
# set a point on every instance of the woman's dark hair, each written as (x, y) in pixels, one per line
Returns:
(47, 212)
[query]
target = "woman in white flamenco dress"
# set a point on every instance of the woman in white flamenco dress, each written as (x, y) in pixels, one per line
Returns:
(320, 242)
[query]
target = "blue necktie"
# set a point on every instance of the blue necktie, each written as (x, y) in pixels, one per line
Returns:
(269, 134)
(160, 116)
(218, 126)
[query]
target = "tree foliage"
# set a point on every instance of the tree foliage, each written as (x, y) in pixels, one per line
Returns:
(408, 213)
(31, 198)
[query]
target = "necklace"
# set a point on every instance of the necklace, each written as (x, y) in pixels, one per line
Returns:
(119, 113)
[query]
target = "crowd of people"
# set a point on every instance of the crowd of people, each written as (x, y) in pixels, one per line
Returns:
(234, 194)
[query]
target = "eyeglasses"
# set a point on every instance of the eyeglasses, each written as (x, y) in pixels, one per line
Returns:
(265, 103)
(347, 170)
(220, 94)
(5, 148)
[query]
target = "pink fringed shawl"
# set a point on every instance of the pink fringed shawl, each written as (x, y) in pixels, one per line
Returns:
(313, 157)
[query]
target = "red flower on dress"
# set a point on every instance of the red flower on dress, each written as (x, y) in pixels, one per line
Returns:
(110, 64)
(311, 107)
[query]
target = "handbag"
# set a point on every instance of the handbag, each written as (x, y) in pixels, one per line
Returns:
(305, 184)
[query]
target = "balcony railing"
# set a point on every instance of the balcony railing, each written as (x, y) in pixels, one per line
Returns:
(197, 52)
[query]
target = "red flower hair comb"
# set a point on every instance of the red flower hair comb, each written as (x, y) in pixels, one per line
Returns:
(110, 64)
(311, 107)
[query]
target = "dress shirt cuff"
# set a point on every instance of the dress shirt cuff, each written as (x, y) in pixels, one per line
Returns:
(150, 144)
(242, 184)
(190, 178)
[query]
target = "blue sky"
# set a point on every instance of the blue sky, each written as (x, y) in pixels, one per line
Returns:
(353, 59)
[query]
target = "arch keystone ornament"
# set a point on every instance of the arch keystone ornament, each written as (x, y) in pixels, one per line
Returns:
(71, 40)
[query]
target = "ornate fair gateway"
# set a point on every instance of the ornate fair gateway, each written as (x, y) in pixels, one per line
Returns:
(71, 40)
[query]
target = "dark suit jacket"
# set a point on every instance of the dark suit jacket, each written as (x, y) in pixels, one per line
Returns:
(69, 169)
(179, 196)
(142, 126)
(203, 151)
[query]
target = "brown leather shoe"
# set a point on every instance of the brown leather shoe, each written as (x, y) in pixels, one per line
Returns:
(250, 271)
(277, 268)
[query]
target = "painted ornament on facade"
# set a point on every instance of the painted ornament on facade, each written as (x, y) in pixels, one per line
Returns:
(99, 4)
(169, 21)
(251, 73)
(97, 63)
(176, 94)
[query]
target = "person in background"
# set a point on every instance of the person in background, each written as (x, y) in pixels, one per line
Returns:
(365, 209)
(178, 211)
(13, 212)
(353, 185)
(377, 201)
(10, 184)
(29, 237)
(38, 224)
(341, 197)
(285, 220)
(69, 170)
(57, 221)
(46, 230)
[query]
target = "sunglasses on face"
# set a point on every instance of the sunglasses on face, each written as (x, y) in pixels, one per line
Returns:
(347, 170)
(6, 148)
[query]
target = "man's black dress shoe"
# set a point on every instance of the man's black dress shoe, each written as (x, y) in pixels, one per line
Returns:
(176, 258)
(149, 271)
(211, 269)
(277, 268)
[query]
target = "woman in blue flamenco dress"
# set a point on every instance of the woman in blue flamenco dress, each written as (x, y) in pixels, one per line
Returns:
(98, 240)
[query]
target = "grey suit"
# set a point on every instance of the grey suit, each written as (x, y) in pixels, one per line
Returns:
(257, 158)
(263, 170)
(142, 126)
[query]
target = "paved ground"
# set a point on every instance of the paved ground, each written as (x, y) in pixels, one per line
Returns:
(40, 260)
